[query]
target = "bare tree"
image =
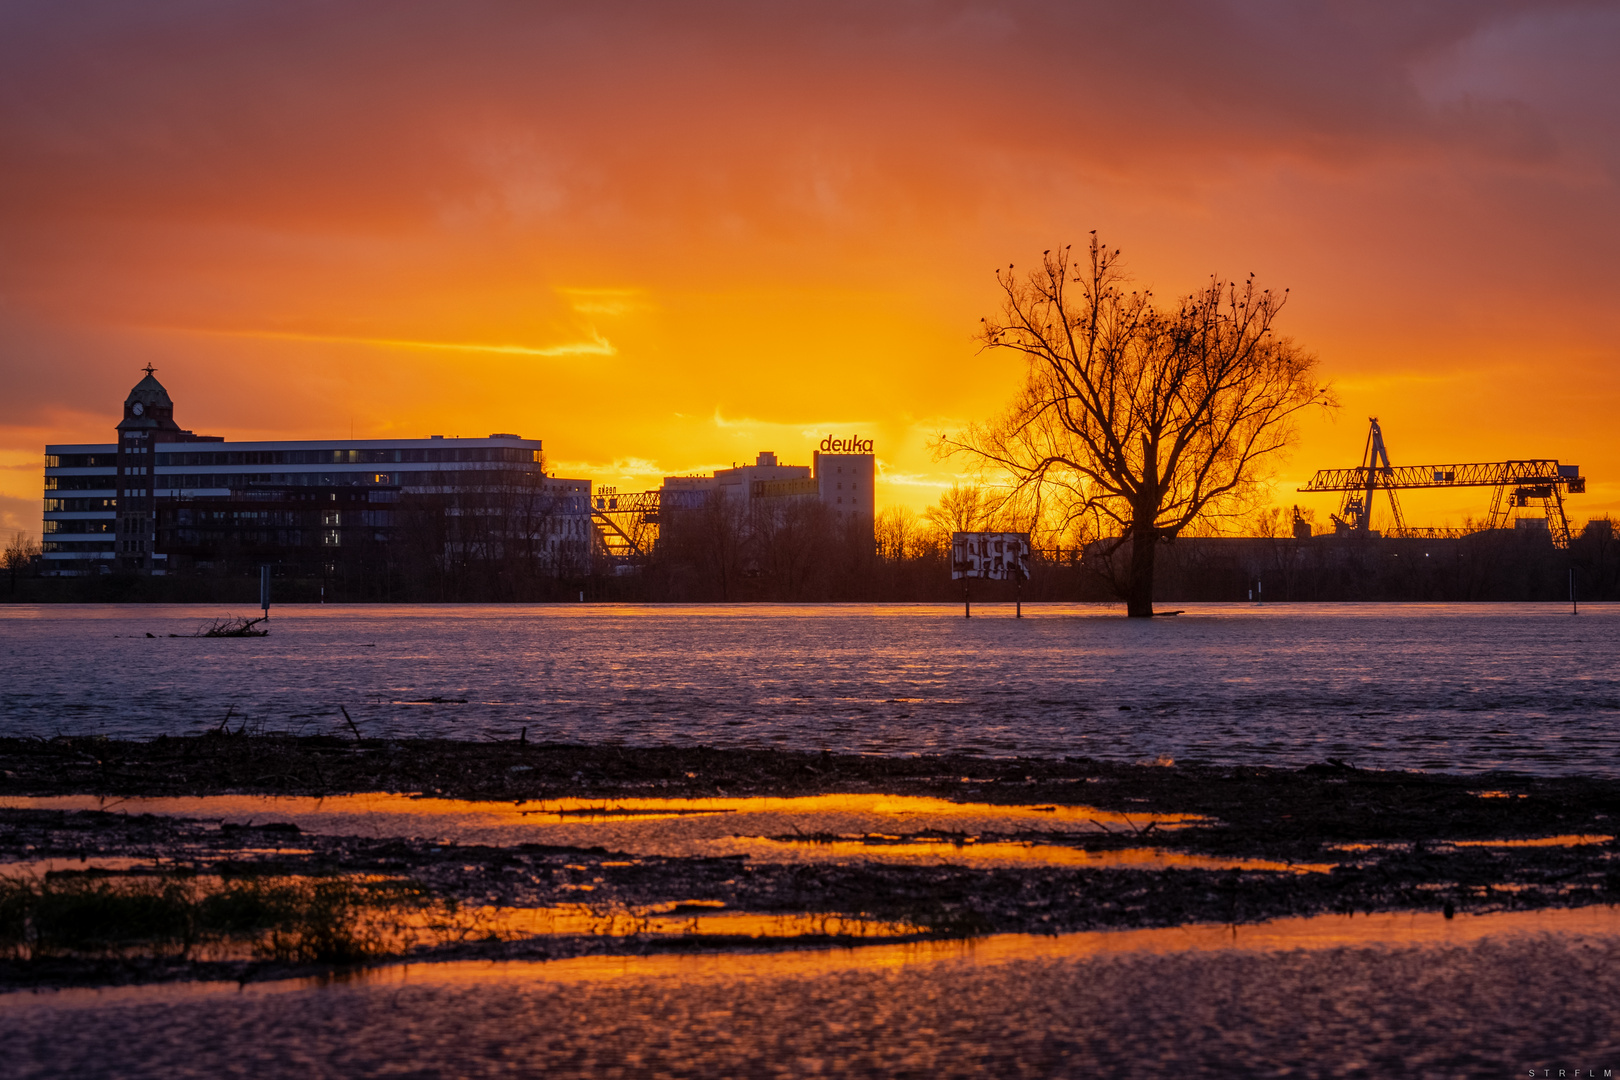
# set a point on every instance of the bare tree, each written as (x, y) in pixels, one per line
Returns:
(20, 554)
(962, 508)
(717, 535)
(1140, 421)
(897, 533)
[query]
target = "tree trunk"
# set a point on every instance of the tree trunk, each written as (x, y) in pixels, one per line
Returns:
(1139, 585)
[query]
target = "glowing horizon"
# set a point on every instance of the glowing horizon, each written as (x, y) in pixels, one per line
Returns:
(663, 242)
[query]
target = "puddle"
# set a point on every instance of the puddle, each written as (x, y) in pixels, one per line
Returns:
(901, 806)
(1535, 841)
(1315, 933)
(672, 827)
(684, 919)
(1570, 840)
(181, 858)
(1004, 853)
(42, 867)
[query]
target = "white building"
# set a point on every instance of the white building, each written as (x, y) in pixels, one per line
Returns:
(160, 491)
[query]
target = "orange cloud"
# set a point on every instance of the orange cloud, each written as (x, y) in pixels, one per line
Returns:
(607, 226)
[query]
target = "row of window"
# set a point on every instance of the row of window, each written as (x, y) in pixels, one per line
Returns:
(184, 515)
(79, 525)
(105, 482)
(81, 461)
(515, 455)
(78, 506)
(71, 547)
(253, 538)
(439, 478)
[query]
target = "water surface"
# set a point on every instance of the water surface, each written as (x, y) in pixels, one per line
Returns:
(1438, 687)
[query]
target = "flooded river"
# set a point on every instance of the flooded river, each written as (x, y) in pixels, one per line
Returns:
(1395, 995)
(1452, 687)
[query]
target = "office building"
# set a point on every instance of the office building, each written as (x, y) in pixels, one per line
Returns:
(161, 498)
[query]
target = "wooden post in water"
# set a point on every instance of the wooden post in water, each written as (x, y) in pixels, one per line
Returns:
(1574, 608)
(264, 589)
(967, 600)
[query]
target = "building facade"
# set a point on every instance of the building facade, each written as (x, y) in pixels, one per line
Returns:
(846, 484)
(162, 498)
(841, 478)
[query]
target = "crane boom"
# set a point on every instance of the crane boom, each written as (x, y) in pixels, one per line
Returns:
(1516, 484)
(1474, 474)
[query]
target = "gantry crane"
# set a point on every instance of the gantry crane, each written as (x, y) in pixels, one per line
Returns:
(1516, 483)
(627, 525)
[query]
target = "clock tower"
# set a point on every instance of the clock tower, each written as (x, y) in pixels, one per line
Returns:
(148, 419)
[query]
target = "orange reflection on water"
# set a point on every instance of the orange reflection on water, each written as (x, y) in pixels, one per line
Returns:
(1570, 840)
(1537, 841)
(893, 805)
(1011, 853)
(43, 867)
(643, 826)
(682, 919)
(1391, 930)
(278, 807)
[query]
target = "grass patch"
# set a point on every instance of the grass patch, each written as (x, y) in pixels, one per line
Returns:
(324, 920)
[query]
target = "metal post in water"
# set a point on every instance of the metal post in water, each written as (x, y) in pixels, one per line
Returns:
(1574, 608)
(264, 589)
(967, 600)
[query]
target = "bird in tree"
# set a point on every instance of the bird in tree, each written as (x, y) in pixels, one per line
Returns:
(1136, 421)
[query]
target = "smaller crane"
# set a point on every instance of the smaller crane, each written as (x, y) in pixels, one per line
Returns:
(1355, 513)
(1517, 484)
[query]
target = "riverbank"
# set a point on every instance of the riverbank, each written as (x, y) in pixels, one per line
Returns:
(515, 850)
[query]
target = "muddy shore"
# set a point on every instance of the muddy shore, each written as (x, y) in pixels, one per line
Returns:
(1378, 841)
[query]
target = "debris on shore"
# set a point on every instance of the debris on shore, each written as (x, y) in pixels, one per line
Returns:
(232, 626)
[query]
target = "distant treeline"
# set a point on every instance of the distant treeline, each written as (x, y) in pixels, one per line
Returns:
(802, 553)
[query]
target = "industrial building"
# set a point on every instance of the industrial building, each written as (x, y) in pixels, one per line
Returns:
(162, 498)
(841, 479)
(844, 483)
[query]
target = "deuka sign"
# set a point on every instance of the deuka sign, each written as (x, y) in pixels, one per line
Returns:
(856, 445)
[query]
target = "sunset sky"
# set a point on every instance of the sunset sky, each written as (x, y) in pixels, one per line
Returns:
(662, 237)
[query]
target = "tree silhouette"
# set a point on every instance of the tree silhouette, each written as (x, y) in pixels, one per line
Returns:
(1135, 422)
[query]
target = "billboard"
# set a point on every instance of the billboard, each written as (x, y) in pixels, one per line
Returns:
(998, 556)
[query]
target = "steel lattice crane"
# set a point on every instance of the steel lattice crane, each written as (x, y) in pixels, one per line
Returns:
(1517, 484)
(627, 525)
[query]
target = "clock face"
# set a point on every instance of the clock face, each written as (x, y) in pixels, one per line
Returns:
(138, 409)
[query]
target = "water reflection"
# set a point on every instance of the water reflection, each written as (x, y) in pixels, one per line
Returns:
(897, 805)
(1465, 687)
(684, 827)
(1536, 841)
(690, 918)
(1002, 853)
(1315, 933)
(1398, 929)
